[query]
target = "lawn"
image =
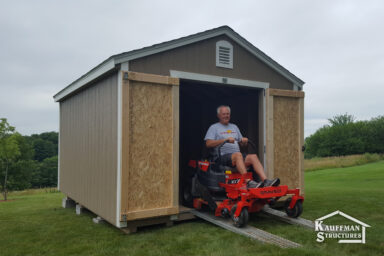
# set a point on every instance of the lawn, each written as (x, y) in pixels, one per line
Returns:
(35, 224)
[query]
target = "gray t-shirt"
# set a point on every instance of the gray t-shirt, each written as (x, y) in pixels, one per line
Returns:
(219, 131)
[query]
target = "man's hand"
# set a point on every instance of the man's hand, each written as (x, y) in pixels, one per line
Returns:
(244, 141)
(231, 140)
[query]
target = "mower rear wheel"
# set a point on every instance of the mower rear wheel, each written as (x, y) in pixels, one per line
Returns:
(296, 210)
(187, 195)
(243, 218)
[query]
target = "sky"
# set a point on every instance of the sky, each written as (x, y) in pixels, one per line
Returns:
(336, 47)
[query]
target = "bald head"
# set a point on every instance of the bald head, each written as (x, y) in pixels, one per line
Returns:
(223, 106)
(224, 114)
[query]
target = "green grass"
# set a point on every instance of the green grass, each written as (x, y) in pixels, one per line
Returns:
(320, 163)
(35, 224)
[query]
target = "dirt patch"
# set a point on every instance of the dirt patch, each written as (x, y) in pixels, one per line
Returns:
(9, 200)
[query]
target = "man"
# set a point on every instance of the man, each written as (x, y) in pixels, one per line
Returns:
(230, 151)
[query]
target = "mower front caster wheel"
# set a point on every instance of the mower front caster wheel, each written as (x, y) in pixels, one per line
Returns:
(243, 218)
(296, 210)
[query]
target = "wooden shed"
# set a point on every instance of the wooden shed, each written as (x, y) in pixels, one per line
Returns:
(129, 126)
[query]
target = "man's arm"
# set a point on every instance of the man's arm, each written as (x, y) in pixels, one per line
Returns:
(215, 143)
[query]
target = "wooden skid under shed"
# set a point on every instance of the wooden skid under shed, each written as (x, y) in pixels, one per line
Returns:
(247, 231)
(133, 225)
(184, 214)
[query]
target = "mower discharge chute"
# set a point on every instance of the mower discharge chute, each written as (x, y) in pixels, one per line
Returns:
(225, 191)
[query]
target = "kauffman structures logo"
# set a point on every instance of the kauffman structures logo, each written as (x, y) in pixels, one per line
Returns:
(354, 233)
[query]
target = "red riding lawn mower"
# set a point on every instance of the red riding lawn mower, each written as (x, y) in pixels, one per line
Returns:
(225, 191)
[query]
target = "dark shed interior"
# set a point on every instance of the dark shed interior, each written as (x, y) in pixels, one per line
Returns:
(198, 106)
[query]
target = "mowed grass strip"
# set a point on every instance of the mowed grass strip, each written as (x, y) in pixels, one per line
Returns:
(35, 224)
(320, 163)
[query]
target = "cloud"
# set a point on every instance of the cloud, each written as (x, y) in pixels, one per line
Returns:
(334, 46)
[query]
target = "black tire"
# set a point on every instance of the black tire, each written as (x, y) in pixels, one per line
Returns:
(206, 195)
(243, 218)
(187, 195)
(296, 210)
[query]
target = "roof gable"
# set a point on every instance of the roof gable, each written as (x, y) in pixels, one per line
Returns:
(115, 60)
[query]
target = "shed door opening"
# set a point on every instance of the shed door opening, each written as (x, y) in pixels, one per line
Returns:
(198, 110)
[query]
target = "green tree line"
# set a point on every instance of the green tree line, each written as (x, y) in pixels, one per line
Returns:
(346, 136)
(27, 161)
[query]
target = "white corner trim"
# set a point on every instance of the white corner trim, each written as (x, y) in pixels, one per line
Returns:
(58, 152)
(123, 67)
(265, 131)
(102, 69)
(218, 79)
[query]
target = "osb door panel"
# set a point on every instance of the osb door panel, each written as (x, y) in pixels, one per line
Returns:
(285, 136)
(150, 146)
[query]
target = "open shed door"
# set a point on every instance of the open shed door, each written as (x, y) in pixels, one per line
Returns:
(285, 136)
(150, 146)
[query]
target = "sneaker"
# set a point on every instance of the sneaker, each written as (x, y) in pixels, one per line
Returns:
(271, 183)
(253, 184)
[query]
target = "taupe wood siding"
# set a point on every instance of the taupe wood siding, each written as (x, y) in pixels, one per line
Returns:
(88, 147)
(200, 57)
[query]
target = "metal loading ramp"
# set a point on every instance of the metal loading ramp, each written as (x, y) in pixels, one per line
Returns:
(283, 217)
(248, 231)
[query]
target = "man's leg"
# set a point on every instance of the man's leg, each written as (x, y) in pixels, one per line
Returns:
(253, 160)
(238, 161)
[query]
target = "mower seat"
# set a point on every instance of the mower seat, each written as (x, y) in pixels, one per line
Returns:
(215, 173)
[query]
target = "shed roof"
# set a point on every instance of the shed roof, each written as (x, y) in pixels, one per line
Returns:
(115, 60)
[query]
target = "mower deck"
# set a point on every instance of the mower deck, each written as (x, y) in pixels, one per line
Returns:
(242, 200)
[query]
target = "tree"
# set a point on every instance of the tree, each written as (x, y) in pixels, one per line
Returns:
(45, 145)
(22, 174)
(346, 137)
(9, 150)
(48, 172)
(341, 119)
(43, 149)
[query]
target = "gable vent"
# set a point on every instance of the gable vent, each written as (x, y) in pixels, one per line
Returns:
(224, 54)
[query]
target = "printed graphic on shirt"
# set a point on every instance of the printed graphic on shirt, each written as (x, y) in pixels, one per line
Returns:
(228, 132)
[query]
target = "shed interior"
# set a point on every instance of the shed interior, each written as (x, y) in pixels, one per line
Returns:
(198, 104)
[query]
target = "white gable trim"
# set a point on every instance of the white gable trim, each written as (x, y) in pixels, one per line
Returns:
(171, 45)
(90, 76)
(218, 79)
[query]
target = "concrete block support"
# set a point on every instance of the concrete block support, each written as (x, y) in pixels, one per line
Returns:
(79, 209)
(98, 220)
(68, 203)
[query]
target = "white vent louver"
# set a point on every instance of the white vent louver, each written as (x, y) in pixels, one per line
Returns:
(224, 54)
